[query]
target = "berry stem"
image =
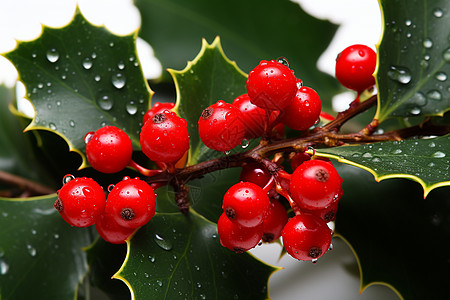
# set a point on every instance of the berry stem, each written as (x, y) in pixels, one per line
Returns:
(142, 170)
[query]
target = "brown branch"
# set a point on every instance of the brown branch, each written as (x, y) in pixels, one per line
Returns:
(30, 187)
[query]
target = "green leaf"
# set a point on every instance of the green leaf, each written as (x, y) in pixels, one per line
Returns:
(82, 77)
(251, 31)
(414, 59)
(179, 256)
(205, 80)
(41, 256)
(399, 239)
(426, 161)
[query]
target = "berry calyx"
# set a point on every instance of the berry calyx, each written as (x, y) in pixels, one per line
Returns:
(131, 203)
(315, 184)
(304, 110)
(274, 222)
(237, 238)
(157, 108)
(306, 237)
(253, 117)
(165, 137)
(109, 149)
(110, 231)
(246, 204)
(80, 201)
(355, 66)
(271, 85)
(220, 126)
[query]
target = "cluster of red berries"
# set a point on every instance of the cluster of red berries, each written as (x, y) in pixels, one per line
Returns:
(223, 126)
(130, 204)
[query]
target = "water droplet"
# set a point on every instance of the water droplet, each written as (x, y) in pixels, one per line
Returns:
(427, 43)
(131, 108)
(415, 111)
(119, 80)
(97, 78)
(110, 187)
(121, 65)
(408, 23)
(330, 248)
(441, 76)
(4, 267)
(367, 155)
(400, 74)
(111, 44)
(52, 55)
(432, 145)
(159, 282)
(87, 63)
(31, 250)
(419, 99)
(314, 261)
(434, 95)
(446, 55)
(152, 258)
(244, 143)
(438, 154)
(105, 103)
(376, 159)
(438, 13)
(227, 152)
(56, 236)
(52, 126)
(283, 60)
(72, 123)
(398, 151)
(162, 243)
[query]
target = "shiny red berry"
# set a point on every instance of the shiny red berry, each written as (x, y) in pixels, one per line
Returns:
(255, 173)
(328, 213)
(274, 221)
(237, 238)
(220, 126)
(165, 137)
(80, 201)
(246, 204)
(110, 231)
(355, 66)
(157, 108)
(271, 85)
(315, 184)
(306, 237)
(304, 110)
(253, 117)
(109, 149)
(131, 203)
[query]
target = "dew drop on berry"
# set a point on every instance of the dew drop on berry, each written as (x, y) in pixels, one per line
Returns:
(110, 187)
(88, 137)
(330, 248)
(67, 178)
(282, 60)
(314, 261)
(126, 178)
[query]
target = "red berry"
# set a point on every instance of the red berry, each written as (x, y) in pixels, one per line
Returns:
(246, 204)
(255, 173)
(298, 159)
(253, 117)
(81, 201)
(165, 137)
(274, 221)
(238, 238)
(355, 66)
(306, 237)
(157, 108)
(110, 231)
(131, 203)
(271, 85)
(328, 213)
(315, 184)
(220, 126)
(109, 149)
(304, 110)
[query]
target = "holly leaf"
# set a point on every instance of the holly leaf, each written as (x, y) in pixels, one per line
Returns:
(414, 59)
(84, 82)
(210, 77)
(401, 240)
(426, 161)
(179, 256)
(39, 250)
(251, 31)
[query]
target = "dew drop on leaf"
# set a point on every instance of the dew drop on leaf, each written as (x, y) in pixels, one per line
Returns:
(52, 55)
(87, 63)
(419, 99)
(162, 243)
(105, 103)
(97, 78)
(428, 43)
(31, 250)
(131, 108)
(438, 13)
(72, 123)
(434, 95)
(446, 55)
(441, 76)
(4, 267)
(438, 154)
(244, 143)
(415, 111)
(399, 74)
(52, 126)
(118, 80)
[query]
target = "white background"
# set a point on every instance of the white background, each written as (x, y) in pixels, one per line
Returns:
(360, 22)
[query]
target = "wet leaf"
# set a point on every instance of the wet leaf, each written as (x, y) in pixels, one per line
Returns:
(41, 256)
(84, 82)
(426, 161)
(179, 256)
(414, 59)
